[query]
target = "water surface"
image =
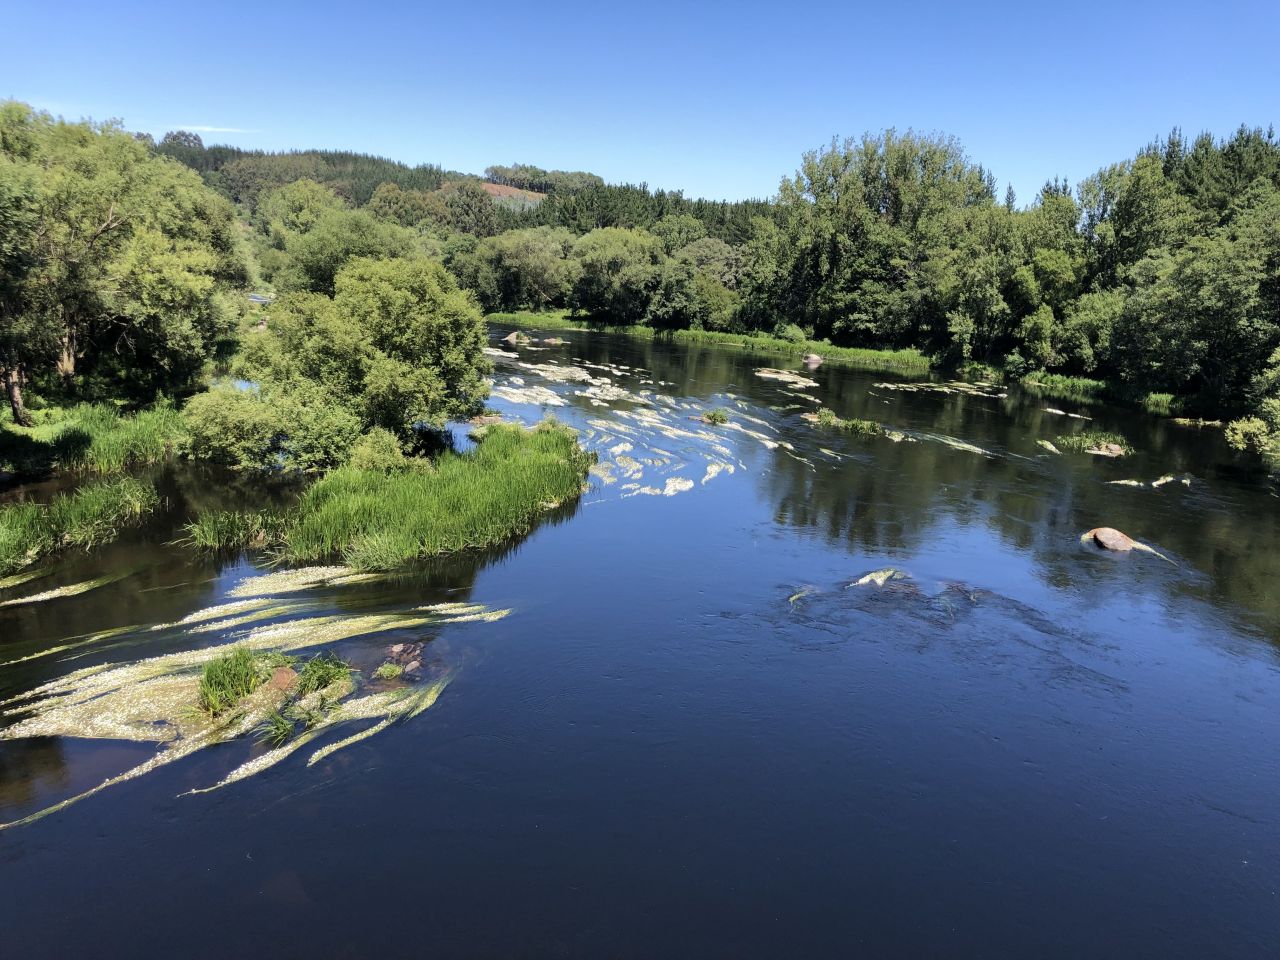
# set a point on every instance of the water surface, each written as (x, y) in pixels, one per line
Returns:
(692, 737)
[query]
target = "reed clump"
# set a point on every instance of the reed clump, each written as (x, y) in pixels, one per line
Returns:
(378, 520)
(93, 515)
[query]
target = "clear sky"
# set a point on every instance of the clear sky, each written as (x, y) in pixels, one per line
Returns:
(719, 100)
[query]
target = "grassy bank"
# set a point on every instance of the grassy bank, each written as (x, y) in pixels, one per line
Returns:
(93, 515)
(95, 438)
(900, 361)
(380, 519)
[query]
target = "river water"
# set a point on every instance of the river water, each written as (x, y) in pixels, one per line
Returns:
(692, 736)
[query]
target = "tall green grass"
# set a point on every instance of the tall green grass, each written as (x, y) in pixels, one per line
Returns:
(94, 438)
(228, 679)
(93, 515)
(233, 529)
(377, 520)
(544, 320)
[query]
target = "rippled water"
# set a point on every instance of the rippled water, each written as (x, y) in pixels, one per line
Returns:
(691, 737)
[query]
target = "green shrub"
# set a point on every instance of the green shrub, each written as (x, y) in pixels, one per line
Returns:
(716, 416)
(236, 428)
(790, 333)
(378, 450)
(299, 430)
(1249, 433)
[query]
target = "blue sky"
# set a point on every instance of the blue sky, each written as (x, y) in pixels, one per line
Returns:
(717, 99)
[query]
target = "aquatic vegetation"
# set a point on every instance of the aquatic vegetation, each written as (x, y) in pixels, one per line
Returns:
(228, 679)
(322, 670)
(827, 419)
(18, 579)
(388, 671)
(378, 521)
(906, 361)
(1048, 445)
(298, 578)
(1094, 441)
(229, 529)
(92, 515)
(276, 727)
(197, 698)
(785, 376)
(1060, 387)
(716, 417)
(70, 590)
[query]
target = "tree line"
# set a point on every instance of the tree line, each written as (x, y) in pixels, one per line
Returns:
(1157, 274)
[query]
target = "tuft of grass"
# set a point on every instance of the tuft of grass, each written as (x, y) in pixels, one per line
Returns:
(93, 515)
(1060, 387)
(716, 417)
(320, 671)
(378, 521)
(276, 728)
(388, 671)
(228, 679)
(1088, 440)
(234, 529)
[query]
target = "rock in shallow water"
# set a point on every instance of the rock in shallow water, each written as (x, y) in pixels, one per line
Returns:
(1110, 539)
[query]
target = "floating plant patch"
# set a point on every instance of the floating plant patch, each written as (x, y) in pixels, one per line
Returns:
(193, 699)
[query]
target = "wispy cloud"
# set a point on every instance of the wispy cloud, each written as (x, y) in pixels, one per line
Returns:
(205, 128)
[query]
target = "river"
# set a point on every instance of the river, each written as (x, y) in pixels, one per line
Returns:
(692, 736)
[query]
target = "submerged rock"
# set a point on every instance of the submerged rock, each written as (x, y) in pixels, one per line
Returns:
(282, 679)
(1047, 445)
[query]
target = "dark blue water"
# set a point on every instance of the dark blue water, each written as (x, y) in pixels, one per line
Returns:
(692, 738)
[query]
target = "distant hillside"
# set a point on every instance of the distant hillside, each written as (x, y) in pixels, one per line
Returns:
(242, 175)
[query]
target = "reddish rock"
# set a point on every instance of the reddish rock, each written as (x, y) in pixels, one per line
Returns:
(282, 679)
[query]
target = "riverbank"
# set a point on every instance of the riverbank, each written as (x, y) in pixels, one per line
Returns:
(911, 362)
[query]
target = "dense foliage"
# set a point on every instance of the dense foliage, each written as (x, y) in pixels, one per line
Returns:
(115, 264)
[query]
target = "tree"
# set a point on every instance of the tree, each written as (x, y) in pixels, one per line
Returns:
(399, 345)
(618, 272)
(119, 257)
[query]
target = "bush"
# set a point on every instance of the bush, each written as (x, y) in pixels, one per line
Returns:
(236, 428)
(302, 430)
(790, 333)
(1249, 433)
(378, 450)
